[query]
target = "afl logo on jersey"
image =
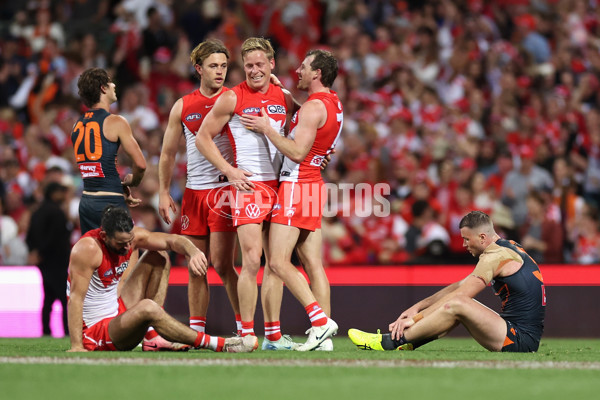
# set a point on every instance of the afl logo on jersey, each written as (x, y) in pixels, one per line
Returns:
(193, 117)
(251, 110)
(276, 110)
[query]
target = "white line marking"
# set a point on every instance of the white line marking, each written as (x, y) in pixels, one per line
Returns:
(233, 362)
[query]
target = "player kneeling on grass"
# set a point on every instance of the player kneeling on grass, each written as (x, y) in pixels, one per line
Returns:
(515, 278)
(99, 319)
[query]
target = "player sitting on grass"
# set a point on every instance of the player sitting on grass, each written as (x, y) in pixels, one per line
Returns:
(99, 319)
(516, 279)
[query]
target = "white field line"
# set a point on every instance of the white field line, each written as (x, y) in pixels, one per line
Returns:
(234, 362)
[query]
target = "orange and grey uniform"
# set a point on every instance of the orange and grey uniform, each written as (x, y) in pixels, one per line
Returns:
(522, 294)
(96, 158)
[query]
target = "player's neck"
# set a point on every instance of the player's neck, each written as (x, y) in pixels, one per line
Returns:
(103, 104)
(318, 89)
(209, 92)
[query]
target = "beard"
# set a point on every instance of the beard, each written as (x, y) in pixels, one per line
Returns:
(114, 250)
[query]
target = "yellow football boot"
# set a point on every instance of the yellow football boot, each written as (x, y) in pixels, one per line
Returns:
(366, 341)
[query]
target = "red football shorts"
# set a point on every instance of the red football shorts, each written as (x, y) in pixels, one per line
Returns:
(254, 207)
(300, 204)
(96, 337)
(205, 211)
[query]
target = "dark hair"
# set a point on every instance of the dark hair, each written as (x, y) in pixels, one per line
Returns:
(116, 219)
(419, 208)
(327, 63)
(475, 219)
(90, 85)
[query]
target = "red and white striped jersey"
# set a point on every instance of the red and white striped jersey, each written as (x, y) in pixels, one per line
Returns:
(201, 174)
(252, 151)
(101, 298)
(325, 141)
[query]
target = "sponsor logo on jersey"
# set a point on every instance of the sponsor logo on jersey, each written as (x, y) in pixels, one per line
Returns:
(91, 170)
(193, 117)
(251, 110)
(285, 173)
(274, 109)
(295, 117)
(121, 268)
(317, 161)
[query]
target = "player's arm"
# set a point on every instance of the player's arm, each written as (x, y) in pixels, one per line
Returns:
(158, 241)
(312, 115)
(166, 163)
(85, 257)
(118, 124)
(469, 286)
(212, 125)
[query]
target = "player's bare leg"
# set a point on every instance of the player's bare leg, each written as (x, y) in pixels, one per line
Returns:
(282, 240)
(484, 324)
(198, 289)
(222, 250)
(271, 293)
(150, 277)
(250, 239)
(309, 250)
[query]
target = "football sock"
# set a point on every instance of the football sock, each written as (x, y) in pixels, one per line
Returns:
(151, 334)
(316, 314)
(247, 328)
(238, 324)
(273, 331)
(392, 344)
(198, 323)
(214, 343)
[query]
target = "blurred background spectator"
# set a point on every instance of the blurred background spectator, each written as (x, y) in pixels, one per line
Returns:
(461, 104)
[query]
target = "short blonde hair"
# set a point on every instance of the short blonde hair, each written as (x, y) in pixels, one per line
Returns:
(205, 49)
(258, 43)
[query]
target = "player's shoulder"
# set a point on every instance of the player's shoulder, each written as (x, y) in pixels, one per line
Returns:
(86, 249)
(495, 253)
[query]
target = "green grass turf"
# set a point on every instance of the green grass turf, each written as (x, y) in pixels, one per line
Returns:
(254, 378)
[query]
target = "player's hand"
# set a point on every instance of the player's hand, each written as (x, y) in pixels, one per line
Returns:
(166, 203)
(398, 326)
(198, 264)
(326, 160)
(129, 199)
(257, 123)
(77, 349)
(238, 178)
(275, 81)
(128, 180)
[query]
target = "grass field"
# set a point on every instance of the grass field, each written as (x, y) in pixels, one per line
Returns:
(450, 368)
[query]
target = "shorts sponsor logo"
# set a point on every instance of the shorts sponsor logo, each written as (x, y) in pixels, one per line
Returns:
(290, 211)
(185, 222)
(193, 117)
(252, 211)
(91, 170)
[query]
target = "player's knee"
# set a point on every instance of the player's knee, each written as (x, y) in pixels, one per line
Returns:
(158, 259)
(456, 305)
(149, 309)
(251, 259)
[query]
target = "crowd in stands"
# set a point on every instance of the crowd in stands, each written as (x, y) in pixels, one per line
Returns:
(455, 104)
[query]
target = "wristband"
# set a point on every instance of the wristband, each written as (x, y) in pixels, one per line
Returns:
(417, 317)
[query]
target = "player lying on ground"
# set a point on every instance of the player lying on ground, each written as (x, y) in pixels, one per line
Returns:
(516, 279)
(99, 319)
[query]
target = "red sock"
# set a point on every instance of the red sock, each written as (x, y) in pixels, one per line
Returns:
(198, 323)
(316, 314)
(273, 331)
(214, 343)
(247, 328)
(238, 324)
(151, 334)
